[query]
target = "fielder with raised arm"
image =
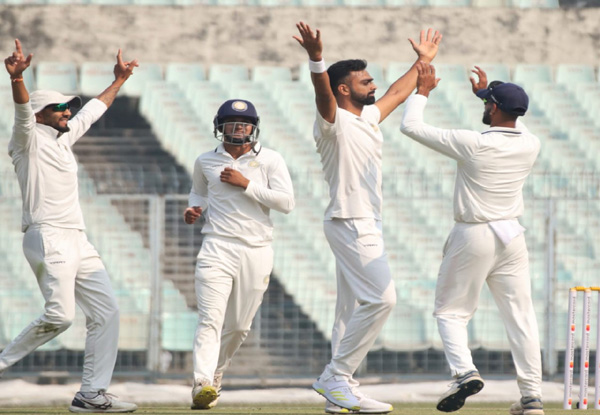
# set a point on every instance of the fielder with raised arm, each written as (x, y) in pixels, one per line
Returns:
(69, 271)
(235, 186)
(487, 244)
(350, 143)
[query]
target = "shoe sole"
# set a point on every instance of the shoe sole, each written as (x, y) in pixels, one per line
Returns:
(456, 401)
(204, 398)
(79, 410)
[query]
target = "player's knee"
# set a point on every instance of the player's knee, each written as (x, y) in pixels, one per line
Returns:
(55, 325)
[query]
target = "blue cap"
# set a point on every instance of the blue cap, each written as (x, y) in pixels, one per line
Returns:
(510, 98)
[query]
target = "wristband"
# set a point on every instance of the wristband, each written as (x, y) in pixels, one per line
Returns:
(16, 79)
(317, 67)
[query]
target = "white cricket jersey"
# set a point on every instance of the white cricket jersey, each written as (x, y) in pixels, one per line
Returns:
(351, 153)
(491, 166)
(233, 212)
(46, 167)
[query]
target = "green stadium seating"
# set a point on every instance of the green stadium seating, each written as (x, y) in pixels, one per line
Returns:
(58, 76)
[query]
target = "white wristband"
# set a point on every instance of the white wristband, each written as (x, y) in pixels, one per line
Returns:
(317, 67)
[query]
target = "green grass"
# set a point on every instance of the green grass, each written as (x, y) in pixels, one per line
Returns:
(271, 409)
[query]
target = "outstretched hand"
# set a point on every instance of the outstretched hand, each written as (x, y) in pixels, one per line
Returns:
(123, 70)
(482, 83)
(428, 45)
(426, 80)
(310, 41)
(17, 63)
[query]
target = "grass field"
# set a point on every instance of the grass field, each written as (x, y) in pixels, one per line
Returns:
(401, 409)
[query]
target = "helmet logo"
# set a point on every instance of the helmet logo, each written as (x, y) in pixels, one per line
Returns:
(240, 106)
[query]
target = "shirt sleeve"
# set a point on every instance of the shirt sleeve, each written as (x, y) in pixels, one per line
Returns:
(279, 194)
(457, 144)
(199, 192)
(24, 127)
(323, 128)
(87, 115)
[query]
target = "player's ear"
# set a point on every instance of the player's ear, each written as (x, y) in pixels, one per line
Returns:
(344, 89)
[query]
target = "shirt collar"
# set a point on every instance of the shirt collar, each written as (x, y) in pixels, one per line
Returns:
(505, 130)
(254, 152)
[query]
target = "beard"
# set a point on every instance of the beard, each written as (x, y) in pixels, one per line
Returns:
(64, 129)
(364, 100)
(487, 118)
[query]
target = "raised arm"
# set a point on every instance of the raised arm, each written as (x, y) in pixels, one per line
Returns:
(122, 71)
(15, 66)
(403, 87)
(311, 42)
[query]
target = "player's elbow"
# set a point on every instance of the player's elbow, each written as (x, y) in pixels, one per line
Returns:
(289, 205)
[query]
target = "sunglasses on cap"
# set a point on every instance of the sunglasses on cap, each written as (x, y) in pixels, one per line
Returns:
(59, 107)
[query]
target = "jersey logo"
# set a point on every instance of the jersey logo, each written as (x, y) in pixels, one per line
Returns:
(254, 163)
(375, 127)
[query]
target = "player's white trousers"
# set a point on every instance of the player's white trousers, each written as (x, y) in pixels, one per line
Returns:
(69, 271)
(365, 291)
(231, 278)
(473, 255)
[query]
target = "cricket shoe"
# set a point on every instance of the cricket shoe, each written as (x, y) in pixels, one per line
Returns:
(464, 386)
(371, 406)
(217, 385)
(367, 406)
(338, 392)
(99, 402)
(527, 406)
(204, 395)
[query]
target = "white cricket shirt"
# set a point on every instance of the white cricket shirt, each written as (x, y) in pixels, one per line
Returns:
(351, 153)
(491, 166)
(233, 212)
(46, 167)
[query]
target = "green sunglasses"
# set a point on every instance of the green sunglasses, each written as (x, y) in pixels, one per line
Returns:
(59, 107)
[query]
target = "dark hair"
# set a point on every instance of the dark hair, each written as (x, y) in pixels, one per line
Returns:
(339, 71)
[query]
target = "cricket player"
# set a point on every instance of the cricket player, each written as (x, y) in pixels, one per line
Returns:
(234, 186)
(350, 143)
(487, 243)
(67, 267)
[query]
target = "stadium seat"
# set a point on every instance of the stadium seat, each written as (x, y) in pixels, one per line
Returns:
(494, 71)
(321, 3)
(144, 73)
(572, 75)
(225, 73)
(277, 3)
(154, 2)
(449, 3)
(183, 74)
(395, 3)
(527, 75)
(547, 4)
(57, 76)
(451, 72)
(95, 77)
(269, 74)
(395, 70)
(363, 3)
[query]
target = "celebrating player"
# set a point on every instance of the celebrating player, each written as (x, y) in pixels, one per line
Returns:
(234, 187)
(350, 143)
(68, 268)
(487, 243)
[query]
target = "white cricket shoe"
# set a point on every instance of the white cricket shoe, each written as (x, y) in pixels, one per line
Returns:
(371, 406)
(99, 402)
(203, 395)
(338, 392)
(527, 406)
(217, 385)
(464, 386)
